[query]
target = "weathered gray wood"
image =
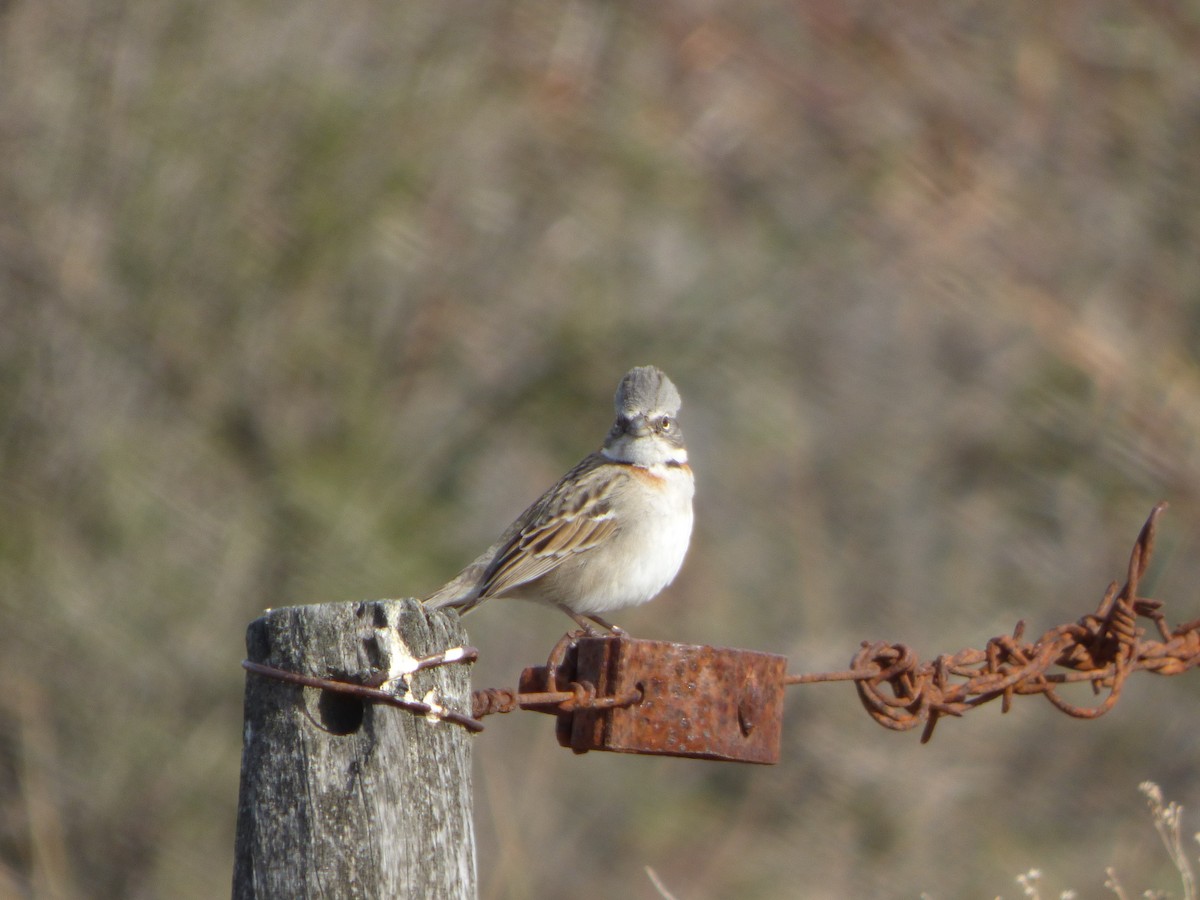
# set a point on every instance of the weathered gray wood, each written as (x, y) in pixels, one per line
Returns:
(344, 799)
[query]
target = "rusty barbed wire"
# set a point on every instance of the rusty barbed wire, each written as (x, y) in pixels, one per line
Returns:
(582, 695)
(375, 693)
(639, 696)
(554, 698)
(1103, 648)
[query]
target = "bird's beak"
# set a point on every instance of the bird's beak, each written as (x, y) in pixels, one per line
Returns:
(638, 426)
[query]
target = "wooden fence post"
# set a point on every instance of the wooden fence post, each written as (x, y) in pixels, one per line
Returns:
(344, 799)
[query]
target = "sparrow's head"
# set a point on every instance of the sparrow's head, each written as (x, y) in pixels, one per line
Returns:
(646, 431)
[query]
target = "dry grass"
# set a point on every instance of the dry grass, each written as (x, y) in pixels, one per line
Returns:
(1168, 822)
(301, 304)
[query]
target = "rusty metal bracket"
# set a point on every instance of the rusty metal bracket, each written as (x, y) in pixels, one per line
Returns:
(654, 697)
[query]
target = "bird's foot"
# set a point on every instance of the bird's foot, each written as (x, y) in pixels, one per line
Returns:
(587, 629)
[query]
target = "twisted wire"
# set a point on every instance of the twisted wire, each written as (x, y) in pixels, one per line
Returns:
(1103, 648)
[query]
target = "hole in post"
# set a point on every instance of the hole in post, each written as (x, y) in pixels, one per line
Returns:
(340, 714)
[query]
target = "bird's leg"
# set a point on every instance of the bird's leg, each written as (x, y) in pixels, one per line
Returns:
(588, 629)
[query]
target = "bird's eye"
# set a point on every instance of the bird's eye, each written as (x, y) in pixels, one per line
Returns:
(665, 423)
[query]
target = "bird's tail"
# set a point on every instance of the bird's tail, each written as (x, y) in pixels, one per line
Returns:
(453, 595)
(463, 592)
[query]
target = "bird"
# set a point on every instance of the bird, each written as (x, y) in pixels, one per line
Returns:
(611, 533)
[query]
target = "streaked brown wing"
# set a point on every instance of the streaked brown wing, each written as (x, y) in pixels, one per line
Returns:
(572, 518)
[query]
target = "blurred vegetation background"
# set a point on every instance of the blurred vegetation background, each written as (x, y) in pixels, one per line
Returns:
(304, 302)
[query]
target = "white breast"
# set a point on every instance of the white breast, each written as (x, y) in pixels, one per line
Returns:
(647, 553)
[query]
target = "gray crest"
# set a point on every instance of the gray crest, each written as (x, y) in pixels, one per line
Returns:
(646, 389)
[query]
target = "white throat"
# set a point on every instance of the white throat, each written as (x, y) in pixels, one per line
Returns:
(645, 451)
